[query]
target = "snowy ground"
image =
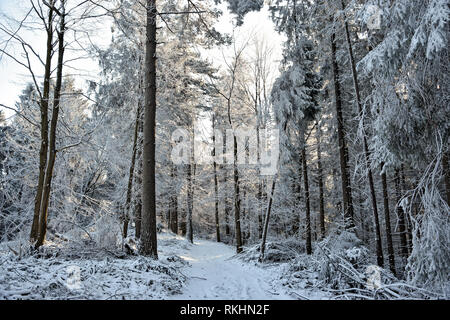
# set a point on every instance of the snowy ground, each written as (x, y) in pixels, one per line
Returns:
(203, 270)
(214, 274)
(87, 273)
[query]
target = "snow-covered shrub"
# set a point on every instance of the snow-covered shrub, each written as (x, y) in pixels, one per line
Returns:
(337, 255)
(177, 261)
(428, 264)
(338, 262)
(105, 278)
(106, 232)
(342, 265)
(131, 246)
(275, 251)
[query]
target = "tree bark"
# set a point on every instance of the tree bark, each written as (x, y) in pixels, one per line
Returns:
(401, 218)
(366, 148)
(266, 221)
(226, 201)
(361, 215)
(298, 192)
(408, 223)
(244, 217)
(138, 182)
(387, 221)
(190, 203)
(126, 217)
(258, 141)
(216, 187)
(237, 201)
(148, 233)
(446, 174)
(173, 216)
(307, 200)
(268, 211)
(343, 152)
(260, 211)
(182, 224)
(43, 215)
(44, 127)
(320, 182)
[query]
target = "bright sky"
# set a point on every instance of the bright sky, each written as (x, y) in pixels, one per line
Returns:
(14, 77)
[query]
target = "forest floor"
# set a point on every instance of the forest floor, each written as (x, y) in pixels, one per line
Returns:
(203, 270)
(184, 271)
(214, 273)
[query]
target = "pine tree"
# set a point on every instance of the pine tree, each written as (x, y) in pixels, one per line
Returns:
(148, 218)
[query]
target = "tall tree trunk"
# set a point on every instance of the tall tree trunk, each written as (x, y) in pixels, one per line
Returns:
(269, 210)
(266, 220)
(126, 217)
(43, 215)
(173, 218)
(260, 211)
(297, 209)
(260, 180)
(216, 187)
(244, 214)
(362, 217)
(320, 181)
(401, 218)
(408, 223)
(307, 200)
(226, 201)
(182, 224)
(138, 182)
(168, 214)
(148, 233)
(387, 221)
(446, 174)
(237, 201)
(366, 148)
(343, 152)
(44, 127)
(190, 205)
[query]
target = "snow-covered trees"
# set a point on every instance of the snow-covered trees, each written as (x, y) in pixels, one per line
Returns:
(295, 104)
(402, 114)
(359, 96)
(408, 70)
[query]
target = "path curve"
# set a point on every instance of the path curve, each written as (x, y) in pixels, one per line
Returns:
(213, 274)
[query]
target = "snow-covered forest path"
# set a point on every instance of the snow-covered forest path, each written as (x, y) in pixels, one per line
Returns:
(213, 274)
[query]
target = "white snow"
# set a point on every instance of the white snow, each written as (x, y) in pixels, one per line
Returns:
(205, 270)
(184, 271)
(215, 274)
